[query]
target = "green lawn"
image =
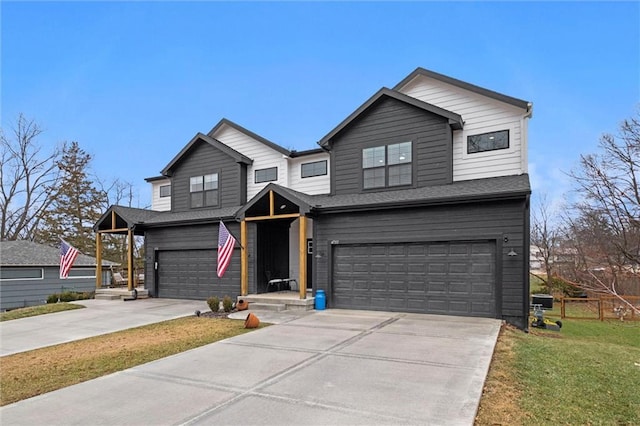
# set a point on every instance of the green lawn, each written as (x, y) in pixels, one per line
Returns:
(588, 373)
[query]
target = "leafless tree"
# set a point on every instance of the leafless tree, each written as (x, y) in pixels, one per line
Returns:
(545, 236)
(28, 180)
(605, 228)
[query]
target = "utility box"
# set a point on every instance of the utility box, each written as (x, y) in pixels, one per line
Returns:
(546, 300)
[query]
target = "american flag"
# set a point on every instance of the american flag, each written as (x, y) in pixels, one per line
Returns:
(68, 255)
(226, 242)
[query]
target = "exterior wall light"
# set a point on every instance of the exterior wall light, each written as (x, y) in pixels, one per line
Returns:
(512, 253)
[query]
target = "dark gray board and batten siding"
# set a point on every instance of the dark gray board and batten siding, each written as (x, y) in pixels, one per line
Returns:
(386, 122)
(485, 222)
(203, 159)
(187, 261)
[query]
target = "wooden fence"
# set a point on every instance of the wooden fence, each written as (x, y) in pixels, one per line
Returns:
(602, 307)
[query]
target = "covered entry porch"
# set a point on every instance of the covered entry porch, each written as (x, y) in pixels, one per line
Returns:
(281, 246)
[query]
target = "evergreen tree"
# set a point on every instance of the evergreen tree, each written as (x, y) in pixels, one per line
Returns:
(77, 206)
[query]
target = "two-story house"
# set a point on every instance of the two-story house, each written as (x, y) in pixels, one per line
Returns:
(417, 202)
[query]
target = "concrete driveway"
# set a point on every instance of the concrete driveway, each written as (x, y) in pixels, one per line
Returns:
(328, 367)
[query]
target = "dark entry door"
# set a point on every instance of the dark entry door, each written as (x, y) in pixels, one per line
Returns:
(309, 263)
(273, 252)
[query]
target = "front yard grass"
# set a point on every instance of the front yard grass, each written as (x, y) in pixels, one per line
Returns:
(588, 373)
(38, 310)
(32, 373)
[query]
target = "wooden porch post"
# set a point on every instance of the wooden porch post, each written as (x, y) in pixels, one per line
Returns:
(130, 259)
(98, 260)
(244, 260)
(302, 250)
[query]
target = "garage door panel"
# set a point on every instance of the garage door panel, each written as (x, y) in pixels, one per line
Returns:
(191, 274)
(444, 277)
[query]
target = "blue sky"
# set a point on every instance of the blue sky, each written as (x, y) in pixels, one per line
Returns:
(133, 82)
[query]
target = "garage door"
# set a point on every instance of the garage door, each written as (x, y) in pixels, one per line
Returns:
(455, 278)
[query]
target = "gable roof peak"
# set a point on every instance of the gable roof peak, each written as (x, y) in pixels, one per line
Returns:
(464, 85)
(455, 120)
(211, 141)
(239, 128)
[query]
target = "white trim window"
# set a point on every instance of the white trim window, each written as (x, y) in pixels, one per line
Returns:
(387, 166)
(204, 191)
(20, 274)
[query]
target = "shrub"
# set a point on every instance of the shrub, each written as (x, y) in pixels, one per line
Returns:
(227, 304)
(214, 303)
(88, 295)
(68, 296)
(53, 298)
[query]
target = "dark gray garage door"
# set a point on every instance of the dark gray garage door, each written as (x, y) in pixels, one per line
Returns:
(456, 278)
(191, 274)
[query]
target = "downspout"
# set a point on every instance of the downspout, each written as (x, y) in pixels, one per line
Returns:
(525, 260)
(524, 131)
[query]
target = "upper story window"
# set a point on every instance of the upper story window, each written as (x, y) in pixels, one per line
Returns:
(317, 168)
(488, 141)
(165, 191)
(204, 190)
(266, 175)
(387, 165)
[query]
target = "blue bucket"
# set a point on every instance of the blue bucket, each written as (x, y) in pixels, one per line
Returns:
(321, 300)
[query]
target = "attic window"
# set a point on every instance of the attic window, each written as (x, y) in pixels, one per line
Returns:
(488, 142)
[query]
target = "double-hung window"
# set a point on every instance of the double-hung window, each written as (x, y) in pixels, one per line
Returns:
(387, 166)
(204, 190)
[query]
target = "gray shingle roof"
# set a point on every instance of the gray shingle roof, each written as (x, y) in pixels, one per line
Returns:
(478, 189)
(28, 253)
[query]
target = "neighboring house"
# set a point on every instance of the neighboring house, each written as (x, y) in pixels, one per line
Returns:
(417, 202)
(30, 272)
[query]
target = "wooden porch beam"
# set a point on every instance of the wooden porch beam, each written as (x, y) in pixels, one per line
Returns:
(98, 260)
(130, 260)
(302, 249)
(111, 231)
(244, 260)
(272, 207)
(278, 216)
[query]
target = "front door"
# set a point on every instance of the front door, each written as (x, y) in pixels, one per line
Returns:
(273, 252)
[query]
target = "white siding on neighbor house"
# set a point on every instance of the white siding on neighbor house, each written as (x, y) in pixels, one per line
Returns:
(309, 185)
(262, 155)
(481, 115)
(160, 203)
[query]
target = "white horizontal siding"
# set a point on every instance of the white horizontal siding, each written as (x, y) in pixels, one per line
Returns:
(262, 155)
(310, 185)
(480, 114)
(158, 203)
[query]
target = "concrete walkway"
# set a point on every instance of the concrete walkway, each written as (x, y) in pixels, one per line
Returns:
(327, 367)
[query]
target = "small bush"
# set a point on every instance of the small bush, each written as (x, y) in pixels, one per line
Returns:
(53, 298)
(227, 304)
(68, 296)
(88, 295)
(214, 303)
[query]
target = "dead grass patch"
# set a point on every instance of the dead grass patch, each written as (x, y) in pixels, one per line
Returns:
(500, 396)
